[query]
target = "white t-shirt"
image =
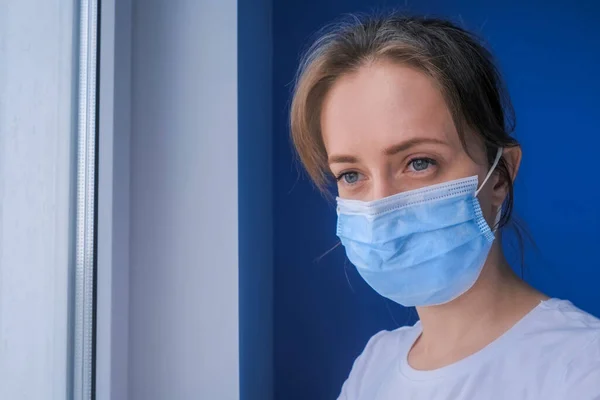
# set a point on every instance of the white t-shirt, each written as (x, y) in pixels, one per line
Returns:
(553, 353)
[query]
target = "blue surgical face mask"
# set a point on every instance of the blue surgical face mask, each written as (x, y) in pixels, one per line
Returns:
(419, 248)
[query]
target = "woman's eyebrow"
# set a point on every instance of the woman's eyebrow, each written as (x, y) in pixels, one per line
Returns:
(397, 148)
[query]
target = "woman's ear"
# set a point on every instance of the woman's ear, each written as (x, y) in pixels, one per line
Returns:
(513, 156)
(512, 160)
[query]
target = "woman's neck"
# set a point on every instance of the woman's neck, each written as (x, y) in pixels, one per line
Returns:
(492, 306)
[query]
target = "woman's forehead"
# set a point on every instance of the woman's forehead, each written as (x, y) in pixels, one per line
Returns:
(383, 104)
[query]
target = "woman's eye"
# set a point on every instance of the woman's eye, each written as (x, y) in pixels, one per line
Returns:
(421, 164)
(349, 177)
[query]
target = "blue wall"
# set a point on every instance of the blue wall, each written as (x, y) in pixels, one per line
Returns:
(255, 199)
(550, 55)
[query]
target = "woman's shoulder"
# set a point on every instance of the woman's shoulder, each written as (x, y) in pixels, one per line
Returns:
(571, 337)
(562, 318)
(381, 351)
(383, 341)
(561, 328)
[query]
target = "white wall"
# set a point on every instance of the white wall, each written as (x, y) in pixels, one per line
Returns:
(36, 186)
(183, 308)
(114, 121)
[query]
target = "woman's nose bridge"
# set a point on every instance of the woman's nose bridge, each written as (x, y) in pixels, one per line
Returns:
(383, 186)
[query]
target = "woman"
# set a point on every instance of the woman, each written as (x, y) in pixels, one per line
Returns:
(410, 117)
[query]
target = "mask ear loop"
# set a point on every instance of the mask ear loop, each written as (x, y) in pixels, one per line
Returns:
(491, 171)
(487, 177)
(497, 220)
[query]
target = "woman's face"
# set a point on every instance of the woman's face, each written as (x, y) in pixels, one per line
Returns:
(387, 129)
